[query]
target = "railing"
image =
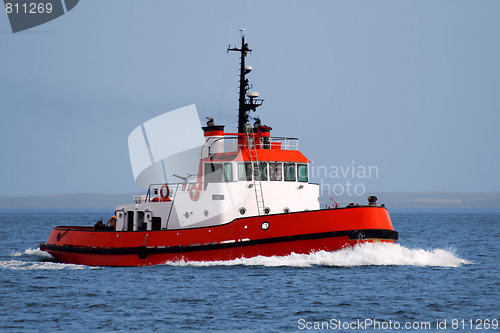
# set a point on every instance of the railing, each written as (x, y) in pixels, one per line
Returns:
(230, 144)
(158, 192)
(286, 143)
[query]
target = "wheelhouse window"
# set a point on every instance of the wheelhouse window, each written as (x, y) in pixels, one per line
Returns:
(228, 172)
(290, 172)
(244, 171)
(261, 172)
(302, 173)
(275, 171)
(212, 173)
(218, 172)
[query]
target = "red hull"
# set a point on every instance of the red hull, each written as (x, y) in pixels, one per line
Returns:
(302, 232)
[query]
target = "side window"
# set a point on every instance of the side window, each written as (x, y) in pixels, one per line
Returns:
(290, 172)
(228, 172)
(276, 171)
(244, 171)
(302, 173)
(213, 172)
(261, 174)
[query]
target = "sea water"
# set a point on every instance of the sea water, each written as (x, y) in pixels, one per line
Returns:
(442, 276)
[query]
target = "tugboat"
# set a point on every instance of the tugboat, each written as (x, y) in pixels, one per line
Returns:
(252, 197)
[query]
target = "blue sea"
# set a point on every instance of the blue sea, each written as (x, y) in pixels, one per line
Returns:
(442, 276)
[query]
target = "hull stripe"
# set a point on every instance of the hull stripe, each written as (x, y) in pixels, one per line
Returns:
(352, 234)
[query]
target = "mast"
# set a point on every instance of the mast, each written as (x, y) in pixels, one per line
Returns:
(245, 104)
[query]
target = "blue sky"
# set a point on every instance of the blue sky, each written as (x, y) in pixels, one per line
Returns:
(411, 87)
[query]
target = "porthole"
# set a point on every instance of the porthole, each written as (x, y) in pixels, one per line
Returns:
(286, 210)
(267, 210)
(243, 210)
(264, 225)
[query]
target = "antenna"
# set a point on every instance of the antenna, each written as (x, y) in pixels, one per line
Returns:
(250, 104)
(230, 34)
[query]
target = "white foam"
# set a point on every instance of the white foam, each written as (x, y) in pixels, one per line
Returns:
(38, 264)
(371, 254)
(30, 265)
(32, 252)
(367, 254)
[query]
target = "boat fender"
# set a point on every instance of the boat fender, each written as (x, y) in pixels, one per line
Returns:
(372, 200)
(194, 194)
(142, 252)
(165, 193)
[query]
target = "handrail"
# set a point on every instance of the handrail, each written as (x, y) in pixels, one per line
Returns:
(173, 188)
(287, 143)
(244, 135)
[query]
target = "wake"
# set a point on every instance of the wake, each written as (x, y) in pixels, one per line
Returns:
(367, 254)
(35, 259)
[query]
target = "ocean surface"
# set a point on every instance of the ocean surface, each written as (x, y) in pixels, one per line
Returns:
(442, 276)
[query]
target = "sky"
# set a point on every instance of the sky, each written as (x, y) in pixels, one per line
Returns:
(408, 88)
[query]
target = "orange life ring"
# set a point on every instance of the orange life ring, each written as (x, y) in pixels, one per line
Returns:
(165, 194)
(194, 194)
